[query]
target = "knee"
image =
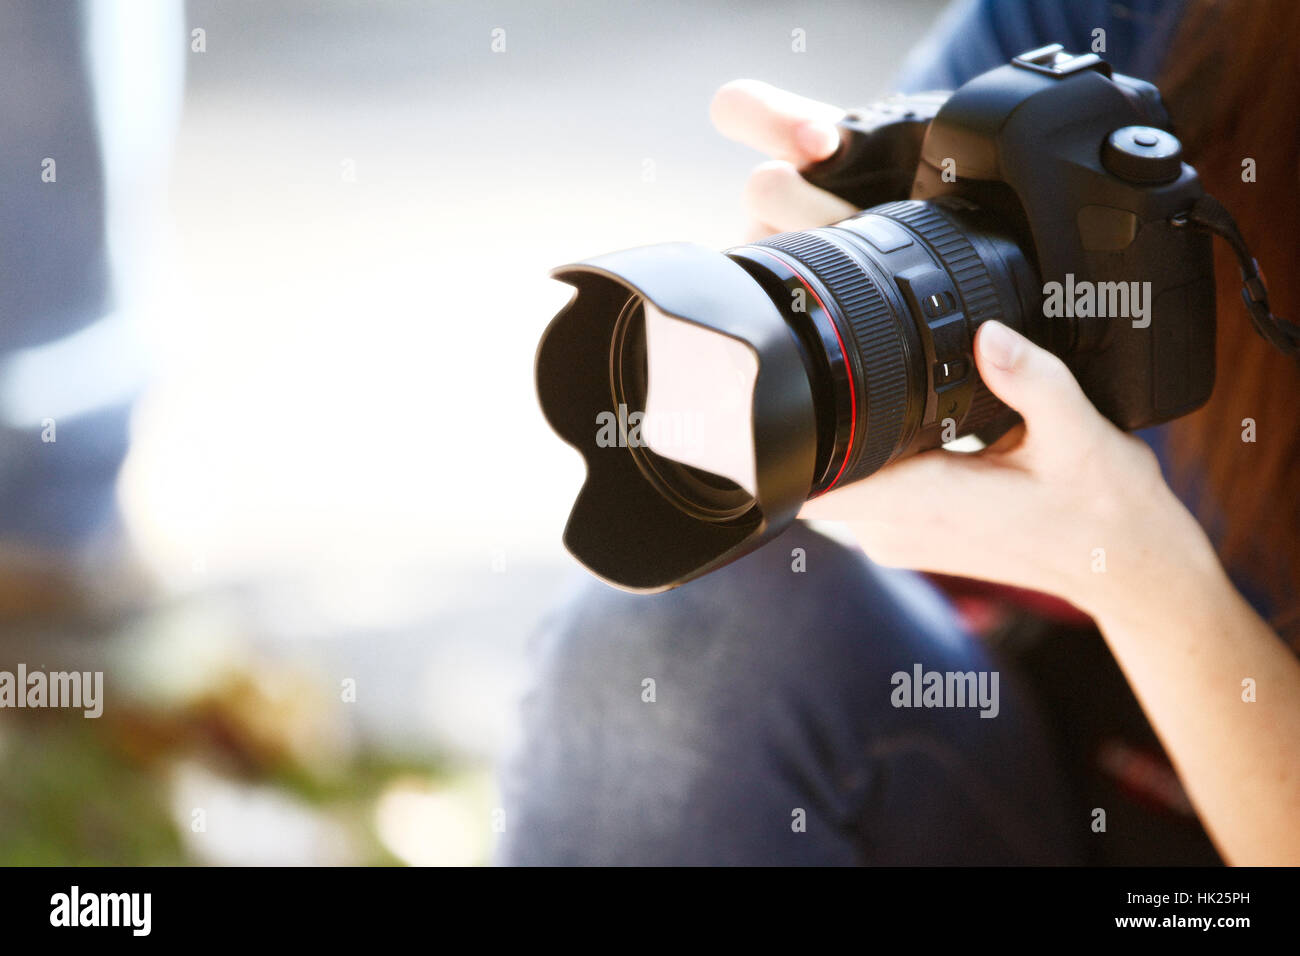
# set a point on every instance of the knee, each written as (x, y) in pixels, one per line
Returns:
(647, 712)
(803, 610)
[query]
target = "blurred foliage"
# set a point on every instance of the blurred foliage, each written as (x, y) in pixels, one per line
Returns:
(67, 799)
(76, 791)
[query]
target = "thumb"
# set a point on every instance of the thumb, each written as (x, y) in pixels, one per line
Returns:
(1036, 384)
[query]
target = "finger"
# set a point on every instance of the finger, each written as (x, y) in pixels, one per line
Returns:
(777, 195)
(777, 122)
(1036, 384)
(898, 521)
(759, 230)
(887, 494)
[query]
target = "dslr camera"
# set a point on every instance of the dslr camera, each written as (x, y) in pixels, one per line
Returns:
(712, 393)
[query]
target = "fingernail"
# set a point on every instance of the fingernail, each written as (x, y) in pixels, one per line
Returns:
(999, 344)
(817, 140)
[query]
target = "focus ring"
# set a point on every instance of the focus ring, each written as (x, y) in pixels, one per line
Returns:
(875, 337)
(974, 285)
(985, 407)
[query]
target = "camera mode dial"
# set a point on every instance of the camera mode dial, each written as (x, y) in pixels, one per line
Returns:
(1143, 154)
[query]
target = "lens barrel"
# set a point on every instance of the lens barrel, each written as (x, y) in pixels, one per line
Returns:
(862, 334)
(886, 305)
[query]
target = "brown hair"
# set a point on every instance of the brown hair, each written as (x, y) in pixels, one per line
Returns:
(1232, 85)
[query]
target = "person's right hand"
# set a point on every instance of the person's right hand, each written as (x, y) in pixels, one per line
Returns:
(795, 132)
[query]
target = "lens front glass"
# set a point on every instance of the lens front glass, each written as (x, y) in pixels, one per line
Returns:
(694, 490)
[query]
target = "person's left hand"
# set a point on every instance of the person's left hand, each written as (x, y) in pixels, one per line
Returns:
(1065, 503)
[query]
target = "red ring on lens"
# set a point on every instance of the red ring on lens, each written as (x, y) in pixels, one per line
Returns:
(830, 316)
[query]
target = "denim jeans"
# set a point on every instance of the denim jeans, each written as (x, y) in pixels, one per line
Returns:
(770, 733)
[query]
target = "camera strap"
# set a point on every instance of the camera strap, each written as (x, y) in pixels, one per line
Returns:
(1209, 215)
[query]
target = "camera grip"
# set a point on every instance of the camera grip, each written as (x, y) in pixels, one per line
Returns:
(880, 147)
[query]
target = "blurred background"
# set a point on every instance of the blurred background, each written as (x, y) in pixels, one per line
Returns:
(270, 456)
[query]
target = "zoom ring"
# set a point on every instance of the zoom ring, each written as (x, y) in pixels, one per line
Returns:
(875, 337)
(971, 275)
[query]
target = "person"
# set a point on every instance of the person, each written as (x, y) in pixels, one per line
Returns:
(1147, 712)
(89, 112)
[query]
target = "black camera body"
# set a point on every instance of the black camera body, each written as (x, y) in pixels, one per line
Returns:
(1049, 145)
(1045, 194)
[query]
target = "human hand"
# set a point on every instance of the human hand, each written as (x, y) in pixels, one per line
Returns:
(1064, 503)
(795, 132)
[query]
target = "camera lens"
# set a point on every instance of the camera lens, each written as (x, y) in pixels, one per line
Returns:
(803, 362)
